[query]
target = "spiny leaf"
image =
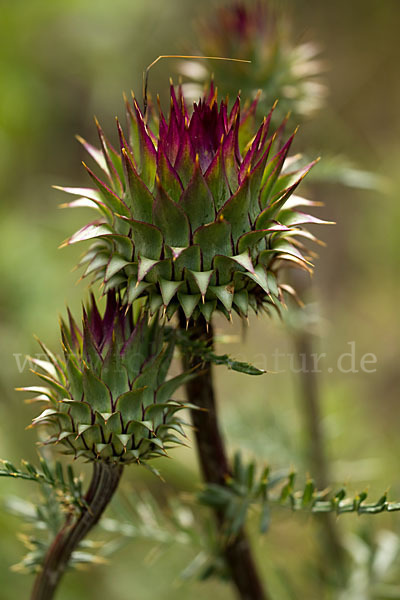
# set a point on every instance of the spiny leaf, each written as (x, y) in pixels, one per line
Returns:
(206, 354)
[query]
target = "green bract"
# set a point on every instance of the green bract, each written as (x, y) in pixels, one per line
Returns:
(200, 217)
(108, 398)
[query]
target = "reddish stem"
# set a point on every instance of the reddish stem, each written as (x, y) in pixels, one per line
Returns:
(215, 466)
(104, 483)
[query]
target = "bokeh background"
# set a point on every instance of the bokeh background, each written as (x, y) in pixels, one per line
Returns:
(61, 62)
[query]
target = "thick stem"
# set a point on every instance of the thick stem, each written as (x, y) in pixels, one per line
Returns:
(104, 482)
(215, 466)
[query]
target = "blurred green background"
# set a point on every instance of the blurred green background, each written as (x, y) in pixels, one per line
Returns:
(61, 62)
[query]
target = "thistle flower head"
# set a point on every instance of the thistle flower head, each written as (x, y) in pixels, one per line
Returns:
(108, 397)
(198, 218)
(255, 30)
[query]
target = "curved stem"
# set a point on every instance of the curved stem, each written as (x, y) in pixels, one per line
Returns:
(215, 467)
(104, 483)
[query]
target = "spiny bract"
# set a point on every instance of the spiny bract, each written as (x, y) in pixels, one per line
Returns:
(109, 399)
(198, 217)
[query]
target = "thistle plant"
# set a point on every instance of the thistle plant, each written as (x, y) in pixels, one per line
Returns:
(108, 401)
(196, 216)
(274, 65)
(258, 31)
(199, 218)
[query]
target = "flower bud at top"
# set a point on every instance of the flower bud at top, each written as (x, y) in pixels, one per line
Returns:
(201, 217)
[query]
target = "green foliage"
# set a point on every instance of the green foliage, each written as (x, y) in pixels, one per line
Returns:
(176, 521)
(60, 498)
(249, 486)
(203, 350)
(61, 479)
(135, 517)
(245, 488)
(45, 518)
(55, 56)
